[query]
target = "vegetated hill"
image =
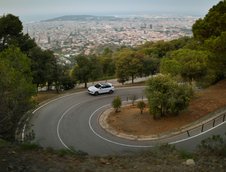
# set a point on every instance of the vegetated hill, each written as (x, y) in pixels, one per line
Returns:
(83, 18)
(31, 158)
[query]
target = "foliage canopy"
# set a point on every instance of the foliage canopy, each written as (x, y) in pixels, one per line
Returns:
(166, 96)
(16, 89)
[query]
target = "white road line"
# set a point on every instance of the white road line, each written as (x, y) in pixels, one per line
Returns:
(23, 132)
(197, 135)
(143, 146)
(103, 138)
(56, 100)
(110, 141)
(25, 125)
(58, 125)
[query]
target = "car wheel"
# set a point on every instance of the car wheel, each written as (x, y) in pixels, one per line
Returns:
(96, 93)
(111, 91)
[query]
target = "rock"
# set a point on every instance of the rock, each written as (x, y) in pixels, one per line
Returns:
(10, 167)
(13, 152)
(190, 162)
(104, 161)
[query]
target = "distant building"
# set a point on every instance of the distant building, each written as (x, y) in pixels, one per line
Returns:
(150, 26)
(143, 26)
(49, 40)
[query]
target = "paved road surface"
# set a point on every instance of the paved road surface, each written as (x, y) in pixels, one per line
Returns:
(72, 122)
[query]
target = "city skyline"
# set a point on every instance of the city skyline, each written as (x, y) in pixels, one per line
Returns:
(29, 10)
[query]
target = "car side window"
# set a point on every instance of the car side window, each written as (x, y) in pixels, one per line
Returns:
(97, 85)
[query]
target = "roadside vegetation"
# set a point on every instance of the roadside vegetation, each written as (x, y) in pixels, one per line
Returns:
(141, 105)
(166, 96)
(117, 103)
(16, 158)
(197, 62)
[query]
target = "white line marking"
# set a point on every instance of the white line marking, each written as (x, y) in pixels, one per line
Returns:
(24, 127)
(142, 146)
(58, 125)
(56, 100)
(23, 132)
(103, 138)
(182, 140)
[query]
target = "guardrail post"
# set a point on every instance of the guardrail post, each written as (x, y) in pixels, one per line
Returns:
(213, 122)
(224, 117)
(188, 133)
(202, 127)
(142, 98)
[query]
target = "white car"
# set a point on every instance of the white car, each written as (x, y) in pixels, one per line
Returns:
(101, 89)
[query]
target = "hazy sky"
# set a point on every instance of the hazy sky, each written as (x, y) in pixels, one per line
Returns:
(38, 8)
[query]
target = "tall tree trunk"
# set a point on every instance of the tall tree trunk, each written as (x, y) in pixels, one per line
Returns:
(37, 86)
(48, 86)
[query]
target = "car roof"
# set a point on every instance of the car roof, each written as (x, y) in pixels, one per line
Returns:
(107, 83)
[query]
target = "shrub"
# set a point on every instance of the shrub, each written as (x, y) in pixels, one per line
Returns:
(166, 96)
(141, 105)
(116, 103)
(29, 146)
(64, 152)
(214, 145)
(185, 154)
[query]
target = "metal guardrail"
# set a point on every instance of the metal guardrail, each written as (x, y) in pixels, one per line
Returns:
(208, 124)
(220, 117)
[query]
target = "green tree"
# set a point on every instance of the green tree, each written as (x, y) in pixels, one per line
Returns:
(81, 70)
(43, 66)
(11, 34)
(16, 89)
(63, 78)
(128, 64)
(116, 103)
(86, 69)
(170, 66)
(191, 65)
(141, 105)
(165, 96)
(38, 66)
(10, 28)
(150, 65)
(213, 24)
(107, 62)
(50, 67)
(209, 32)
(216, 45)
(96, 68)
(160, 49)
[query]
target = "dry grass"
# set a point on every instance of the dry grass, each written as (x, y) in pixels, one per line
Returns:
(130, 121)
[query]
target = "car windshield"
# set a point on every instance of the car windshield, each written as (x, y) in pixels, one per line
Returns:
(97, 85)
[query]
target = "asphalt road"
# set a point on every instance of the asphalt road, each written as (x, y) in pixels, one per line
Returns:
(72, 122)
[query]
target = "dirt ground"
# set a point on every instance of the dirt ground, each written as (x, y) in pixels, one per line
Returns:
(163, 159)
(130, 121)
